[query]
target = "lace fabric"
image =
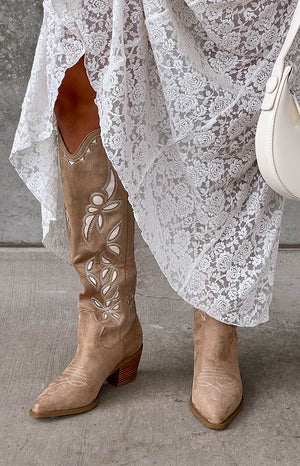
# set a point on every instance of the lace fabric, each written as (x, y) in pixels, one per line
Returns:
(179, 85)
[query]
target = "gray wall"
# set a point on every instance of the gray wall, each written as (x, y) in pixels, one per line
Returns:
(19, 210)
(20, 219)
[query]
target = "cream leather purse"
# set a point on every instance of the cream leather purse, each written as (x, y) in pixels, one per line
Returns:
(277, 139)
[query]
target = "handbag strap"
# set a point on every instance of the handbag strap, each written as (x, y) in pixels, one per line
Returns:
(273, 82)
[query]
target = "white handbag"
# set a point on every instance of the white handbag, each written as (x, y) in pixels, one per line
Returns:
(277, 139)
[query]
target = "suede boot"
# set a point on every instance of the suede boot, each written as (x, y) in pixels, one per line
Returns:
(217, 394)
(100, 226)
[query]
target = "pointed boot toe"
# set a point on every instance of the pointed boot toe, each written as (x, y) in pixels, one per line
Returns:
(38, 407)
(53, 401)
(215, 408)
(43, 406)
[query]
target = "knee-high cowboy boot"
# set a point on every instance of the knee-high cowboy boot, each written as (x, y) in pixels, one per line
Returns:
(217, 394)
(100, 226)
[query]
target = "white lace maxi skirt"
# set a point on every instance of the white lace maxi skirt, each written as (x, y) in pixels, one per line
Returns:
(179, 85)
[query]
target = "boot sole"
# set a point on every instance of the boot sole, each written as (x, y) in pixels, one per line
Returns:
(125, 372)
(223, 424)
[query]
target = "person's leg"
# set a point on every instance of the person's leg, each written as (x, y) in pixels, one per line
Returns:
(217, 385)
(75, 109)
(100, 227)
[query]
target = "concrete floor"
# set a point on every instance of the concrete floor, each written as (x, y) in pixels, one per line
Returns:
(147, 422)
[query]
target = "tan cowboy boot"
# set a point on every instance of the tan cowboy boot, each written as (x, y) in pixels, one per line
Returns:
(100, 226)
(217, 394)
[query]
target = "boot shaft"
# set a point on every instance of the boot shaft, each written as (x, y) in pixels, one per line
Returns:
(100, 226)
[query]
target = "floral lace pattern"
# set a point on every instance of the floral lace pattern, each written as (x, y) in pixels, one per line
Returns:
(179, 85)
